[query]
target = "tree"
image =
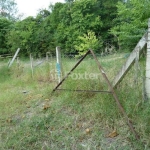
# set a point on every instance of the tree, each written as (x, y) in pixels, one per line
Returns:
(8, 9)
(108, 11)
(58, 24)
(21, 35)
(71, 20)
(4, 28)
(43, 36)
(32, 35)
(96, 15)
(62, 24)
(131, 22)
(86, 42)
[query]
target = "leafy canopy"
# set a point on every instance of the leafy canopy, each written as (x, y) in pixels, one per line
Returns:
(131, 22)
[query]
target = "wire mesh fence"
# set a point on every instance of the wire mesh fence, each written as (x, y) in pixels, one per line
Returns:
(45, 69)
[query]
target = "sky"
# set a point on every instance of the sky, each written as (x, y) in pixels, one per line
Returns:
(31, 7)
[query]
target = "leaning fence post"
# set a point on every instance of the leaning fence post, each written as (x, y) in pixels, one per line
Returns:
(31, 62)
(147, 81)
(11, 62)
(47, 57)
(58, 64)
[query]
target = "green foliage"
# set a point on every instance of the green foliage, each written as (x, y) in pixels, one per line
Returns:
(4, 28)
(42, 33)
(107, 10)
(131, 22)
(61, 26)
(32, 35)
(21, 35)
(76, 19)
(86, 42)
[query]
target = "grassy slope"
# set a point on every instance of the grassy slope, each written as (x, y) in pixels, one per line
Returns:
(32, 118)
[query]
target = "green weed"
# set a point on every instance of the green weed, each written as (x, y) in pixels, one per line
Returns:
(33, 118)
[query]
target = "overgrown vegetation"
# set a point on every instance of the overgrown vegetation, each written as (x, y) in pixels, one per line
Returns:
(131, 22)
(115, 23)
(87, 41)
(32, 118)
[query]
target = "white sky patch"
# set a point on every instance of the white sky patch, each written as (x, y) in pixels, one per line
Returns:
(31, 7)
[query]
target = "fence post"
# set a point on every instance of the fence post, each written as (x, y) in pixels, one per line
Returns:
(11, 62)
(18, 63)
(136, 66)
(147, 84)
(59, 63)
(31, 62)
(48, 56)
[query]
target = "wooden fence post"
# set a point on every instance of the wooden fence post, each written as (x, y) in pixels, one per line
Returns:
(147, 81)
(136, 66)
(18, 63)
(59, 63)
(11, 62)
(125, 68)
(49, 62)
(31, 62)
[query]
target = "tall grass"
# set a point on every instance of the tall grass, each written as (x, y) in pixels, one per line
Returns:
(32, 118)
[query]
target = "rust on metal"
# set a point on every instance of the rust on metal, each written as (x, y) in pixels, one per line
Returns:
(94, 91)
(112, 91)
(70, 71)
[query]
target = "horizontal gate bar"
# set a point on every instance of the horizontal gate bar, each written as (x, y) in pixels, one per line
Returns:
(94, 91)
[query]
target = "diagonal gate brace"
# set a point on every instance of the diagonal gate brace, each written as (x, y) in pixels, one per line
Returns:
(111, 90)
